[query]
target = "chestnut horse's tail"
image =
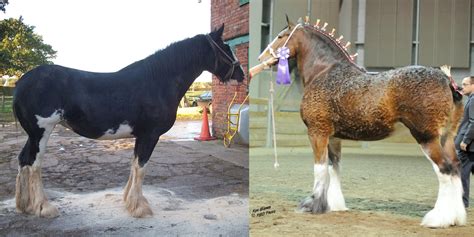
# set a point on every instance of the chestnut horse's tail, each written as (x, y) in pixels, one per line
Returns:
(449, 132)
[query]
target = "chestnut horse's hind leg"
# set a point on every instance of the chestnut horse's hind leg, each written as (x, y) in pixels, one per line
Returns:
(449, 208)
(135, 202)
(317, 202)
(335, 198)
(29, 194)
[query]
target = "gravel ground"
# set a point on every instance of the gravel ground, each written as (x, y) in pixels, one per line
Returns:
(194, 188)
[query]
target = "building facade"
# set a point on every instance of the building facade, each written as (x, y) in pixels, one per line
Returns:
(385, 34)
(235, 15)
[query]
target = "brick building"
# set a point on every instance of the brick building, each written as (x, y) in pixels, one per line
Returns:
(235, 15)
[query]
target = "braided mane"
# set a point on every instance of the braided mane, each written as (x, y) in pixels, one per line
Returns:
(330, 36)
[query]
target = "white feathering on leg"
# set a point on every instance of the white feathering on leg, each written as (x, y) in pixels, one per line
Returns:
(336, 200)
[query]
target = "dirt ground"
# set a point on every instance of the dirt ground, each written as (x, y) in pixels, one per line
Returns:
(386, 196)
(194, 188)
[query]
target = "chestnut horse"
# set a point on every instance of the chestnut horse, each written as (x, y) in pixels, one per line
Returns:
(138, 101)
(342, 101)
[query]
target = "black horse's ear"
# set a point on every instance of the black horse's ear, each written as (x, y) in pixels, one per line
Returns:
(217, 34)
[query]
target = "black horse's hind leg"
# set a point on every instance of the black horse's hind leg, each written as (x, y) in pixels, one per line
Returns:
(29, 194)
(135, 202)
(335, 198)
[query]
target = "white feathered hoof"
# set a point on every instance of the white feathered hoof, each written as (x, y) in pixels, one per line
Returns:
(449, 209)
(336, 200)
(138, 206)
(444, 217)
(29, 194)
(47, 210)
(314, 205)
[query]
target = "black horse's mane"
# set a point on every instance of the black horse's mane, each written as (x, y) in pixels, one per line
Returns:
(172, 59)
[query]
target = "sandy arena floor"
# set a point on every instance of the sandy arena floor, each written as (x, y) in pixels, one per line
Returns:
(387, 195)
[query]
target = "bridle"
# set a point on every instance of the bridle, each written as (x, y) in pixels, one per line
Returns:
(230, 61)
(270, 49)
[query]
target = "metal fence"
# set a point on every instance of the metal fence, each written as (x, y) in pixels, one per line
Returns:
(6, 103)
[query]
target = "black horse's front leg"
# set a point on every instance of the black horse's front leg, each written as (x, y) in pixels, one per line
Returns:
(135, 202)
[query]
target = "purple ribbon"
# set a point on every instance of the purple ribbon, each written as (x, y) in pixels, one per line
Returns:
(283, 73)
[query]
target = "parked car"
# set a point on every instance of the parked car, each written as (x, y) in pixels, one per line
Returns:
(206, 96)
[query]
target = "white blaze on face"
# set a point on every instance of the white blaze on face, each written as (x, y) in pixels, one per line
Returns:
(123, 131)
(47, 123)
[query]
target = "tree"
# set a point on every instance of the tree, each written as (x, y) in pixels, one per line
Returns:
(21, 49)
(3, 3)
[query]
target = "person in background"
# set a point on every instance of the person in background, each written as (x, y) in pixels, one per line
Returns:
(465, 136)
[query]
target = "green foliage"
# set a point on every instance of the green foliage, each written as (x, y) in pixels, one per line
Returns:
(200, 86)
(21, 49)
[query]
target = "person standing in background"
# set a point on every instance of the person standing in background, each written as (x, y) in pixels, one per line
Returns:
(464, 138)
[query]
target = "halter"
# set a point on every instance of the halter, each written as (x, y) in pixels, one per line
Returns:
(291, 34)
(270, 49)
(233, 63)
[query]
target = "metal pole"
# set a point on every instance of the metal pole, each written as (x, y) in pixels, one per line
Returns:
(417, 32)
(308, 11)
(268, 142)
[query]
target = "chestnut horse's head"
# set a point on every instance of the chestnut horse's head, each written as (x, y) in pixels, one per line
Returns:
(286, 38)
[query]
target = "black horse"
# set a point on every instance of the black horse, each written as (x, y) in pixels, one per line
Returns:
(138, 101)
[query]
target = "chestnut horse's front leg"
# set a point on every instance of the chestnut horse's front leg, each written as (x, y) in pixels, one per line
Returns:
(317, 202)
(335, 198)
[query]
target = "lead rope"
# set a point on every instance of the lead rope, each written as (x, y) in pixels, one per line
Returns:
(276, 165)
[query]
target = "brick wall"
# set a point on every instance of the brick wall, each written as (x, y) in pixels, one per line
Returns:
(236, 20)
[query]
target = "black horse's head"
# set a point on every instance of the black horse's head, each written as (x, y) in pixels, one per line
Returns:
(225, 65)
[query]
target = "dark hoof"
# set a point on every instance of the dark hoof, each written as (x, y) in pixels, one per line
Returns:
(314, 205)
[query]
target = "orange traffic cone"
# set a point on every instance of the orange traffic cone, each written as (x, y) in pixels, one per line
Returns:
(205, 134)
